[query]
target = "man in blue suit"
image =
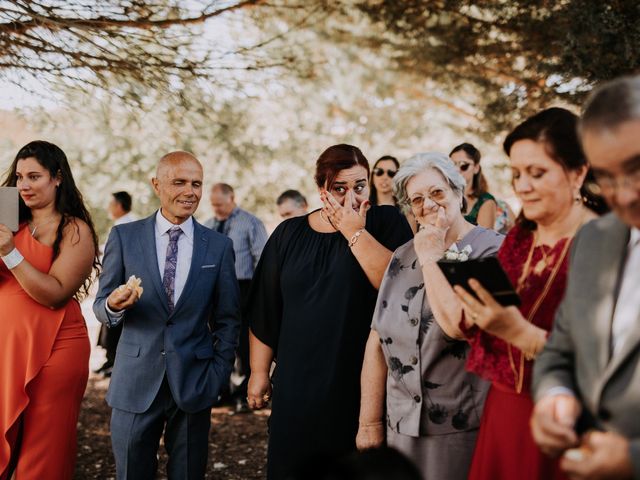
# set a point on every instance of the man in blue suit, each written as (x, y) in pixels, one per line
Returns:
(178, 341)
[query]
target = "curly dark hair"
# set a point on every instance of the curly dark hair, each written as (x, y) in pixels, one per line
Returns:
(69, 201)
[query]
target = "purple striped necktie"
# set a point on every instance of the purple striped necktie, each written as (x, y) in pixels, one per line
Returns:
(169, 277)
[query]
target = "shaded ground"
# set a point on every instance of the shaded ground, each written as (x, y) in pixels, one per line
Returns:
(237, 443)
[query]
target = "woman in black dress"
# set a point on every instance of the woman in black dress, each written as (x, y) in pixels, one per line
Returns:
(310, 307)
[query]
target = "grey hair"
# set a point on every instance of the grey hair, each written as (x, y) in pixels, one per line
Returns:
(612, 104)
(421, 162)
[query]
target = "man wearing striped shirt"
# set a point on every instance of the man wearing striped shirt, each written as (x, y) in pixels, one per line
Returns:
(249, 236)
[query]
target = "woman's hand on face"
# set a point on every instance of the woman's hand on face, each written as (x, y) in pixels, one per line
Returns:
(429, 241)
(6, 240)
(343, 217)
(258, 390)
(370, 436)
(486, 312)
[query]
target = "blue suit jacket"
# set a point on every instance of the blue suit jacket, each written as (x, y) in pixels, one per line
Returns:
(195, 345)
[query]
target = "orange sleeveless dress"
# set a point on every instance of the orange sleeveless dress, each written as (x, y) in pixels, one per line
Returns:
(44, 356)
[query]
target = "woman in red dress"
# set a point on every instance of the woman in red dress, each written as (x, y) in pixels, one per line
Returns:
(44, 347)
(549, 170)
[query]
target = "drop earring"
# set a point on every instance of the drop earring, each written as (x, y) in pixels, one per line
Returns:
(577, 198)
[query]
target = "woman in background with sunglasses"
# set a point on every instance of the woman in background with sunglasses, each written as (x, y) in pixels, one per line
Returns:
(481, 205)
(381, 182)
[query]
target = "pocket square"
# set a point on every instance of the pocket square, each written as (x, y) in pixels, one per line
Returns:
(213, 265)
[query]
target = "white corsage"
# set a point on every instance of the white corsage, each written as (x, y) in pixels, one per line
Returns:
(454, 254)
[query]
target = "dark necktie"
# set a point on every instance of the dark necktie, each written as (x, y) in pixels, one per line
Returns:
(220, 227)
(169, 277)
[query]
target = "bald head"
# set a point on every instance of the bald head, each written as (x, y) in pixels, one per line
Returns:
(178, 185)
(172, 159)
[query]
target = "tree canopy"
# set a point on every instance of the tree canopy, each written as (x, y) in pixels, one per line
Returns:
(509, 58)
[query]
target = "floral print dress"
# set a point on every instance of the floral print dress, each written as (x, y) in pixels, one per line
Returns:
(433, 404)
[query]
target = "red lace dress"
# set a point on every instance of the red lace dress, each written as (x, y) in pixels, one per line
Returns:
(505, 448)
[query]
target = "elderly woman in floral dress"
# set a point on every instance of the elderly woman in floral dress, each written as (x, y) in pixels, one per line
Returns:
(433, 406)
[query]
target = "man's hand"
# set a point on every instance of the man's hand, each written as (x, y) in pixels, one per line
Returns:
(122, 298)
(552, 423)
(605, 455)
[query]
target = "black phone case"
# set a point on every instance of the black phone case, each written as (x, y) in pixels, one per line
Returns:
(488, 272)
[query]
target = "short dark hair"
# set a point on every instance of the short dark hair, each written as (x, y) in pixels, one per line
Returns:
(225, 188)
(337, 158)
(293, 195)
(124, 199)
(612, 104)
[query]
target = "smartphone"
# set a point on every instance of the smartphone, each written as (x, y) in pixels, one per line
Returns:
(488, 272)
(9, 207)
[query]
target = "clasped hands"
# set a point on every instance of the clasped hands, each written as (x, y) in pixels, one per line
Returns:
(344, 218)
(596, 455)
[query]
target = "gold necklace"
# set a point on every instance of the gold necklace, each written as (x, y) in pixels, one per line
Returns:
(326, 220)
(35, 227)
(545, 260)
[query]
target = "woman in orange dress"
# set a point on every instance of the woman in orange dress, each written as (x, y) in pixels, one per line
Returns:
(44, 347)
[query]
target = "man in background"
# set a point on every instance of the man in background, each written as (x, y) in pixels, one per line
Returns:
(291, 203)
(119, 210)
(249, 236)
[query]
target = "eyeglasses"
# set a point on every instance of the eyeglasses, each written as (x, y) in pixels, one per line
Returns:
(437, 195)
(463, 166)
(378, 172)
(608, 184)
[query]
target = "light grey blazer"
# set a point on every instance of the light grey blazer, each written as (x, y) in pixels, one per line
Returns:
(578, 353)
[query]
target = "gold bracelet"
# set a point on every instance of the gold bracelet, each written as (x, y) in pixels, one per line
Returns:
(355, 237)
(372, 424)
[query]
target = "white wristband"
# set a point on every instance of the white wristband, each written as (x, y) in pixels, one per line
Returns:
(12, 259)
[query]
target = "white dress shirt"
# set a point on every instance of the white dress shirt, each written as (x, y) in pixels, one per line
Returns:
(626, 316)
(185, 250)
(126, 218)
(183, 264)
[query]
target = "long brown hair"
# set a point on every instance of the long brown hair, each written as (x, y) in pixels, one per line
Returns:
(69, 201)
(479, 184)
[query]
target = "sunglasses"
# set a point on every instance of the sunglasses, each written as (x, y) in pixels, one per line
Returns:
(464, 166)
(378, 172)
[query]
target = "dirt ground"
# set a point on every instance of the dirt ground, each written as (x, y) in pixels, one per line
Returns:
(237, 443)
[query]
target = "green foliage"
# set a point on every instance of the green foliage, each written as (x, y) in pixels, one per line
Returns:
(514, 57)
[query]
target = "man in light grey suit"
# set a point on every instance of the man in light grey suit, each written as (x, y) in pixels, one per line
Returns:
(590, 367)
(179, 337)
